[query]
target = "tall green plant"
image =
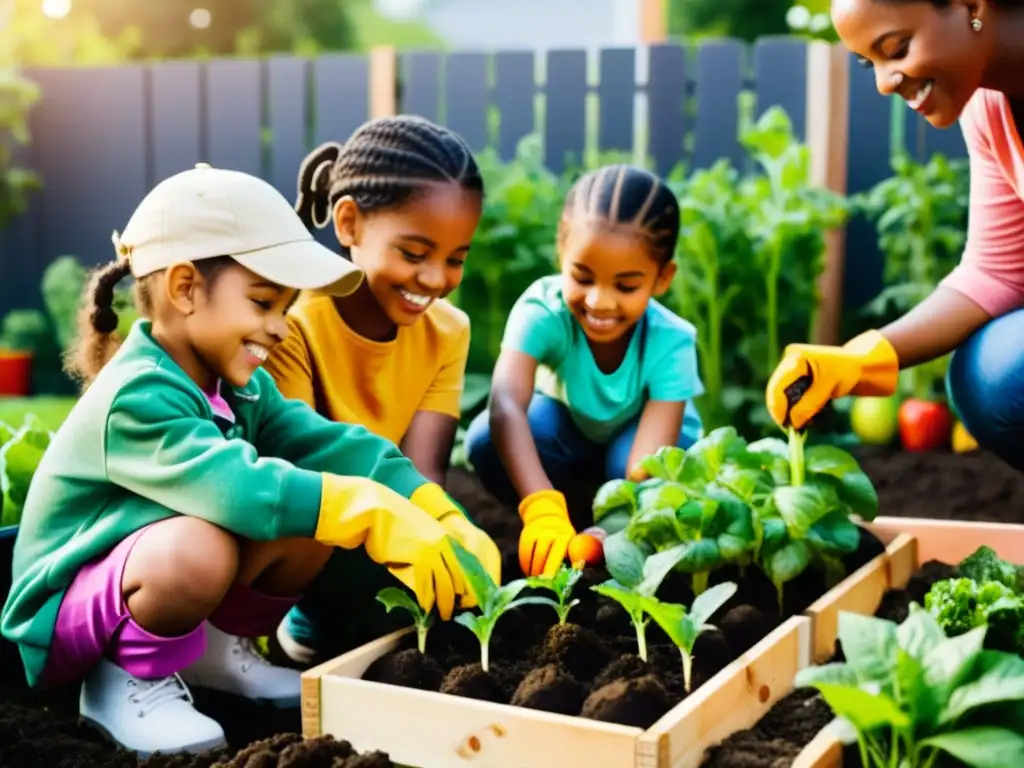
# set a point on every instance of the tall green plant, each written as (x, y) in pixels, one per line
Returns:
(17, 95)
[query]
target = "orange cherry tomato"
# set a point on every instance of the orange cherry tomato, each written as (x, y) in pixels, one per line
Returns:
(585, 549)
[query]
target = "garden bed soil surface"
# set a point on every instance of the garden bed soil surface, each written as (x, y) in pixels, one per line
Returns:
(42, 729)
(794, 721)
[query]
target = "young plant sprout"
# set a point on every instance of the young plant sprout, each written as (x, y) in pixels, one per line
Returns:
(492, 599)
(633, 585)
(561, 584)
(684, 627)
(393, 597)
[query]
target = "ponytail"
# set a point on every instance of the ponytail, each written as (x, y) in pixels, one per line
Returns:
(313, 203)
(97, 338)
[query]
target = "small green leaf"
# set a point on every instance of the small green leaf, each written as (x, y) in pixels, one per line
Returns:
(614, 497)
(621, 594)
(981, 747)
(709, 601)
(658, 566)
(478, 579)
(803, 506)
(624, 559)
(834, 673)
(666, 463)
(919, 634)
(393, 597)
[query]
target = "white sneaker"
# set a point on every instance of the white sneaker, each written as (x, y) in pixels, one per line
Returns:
(231, 664)
(146, 716)
(292, 648)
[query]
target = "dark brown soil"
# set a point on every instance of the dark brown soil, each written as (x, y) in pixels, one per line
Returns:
(795, 720)
(590, 667)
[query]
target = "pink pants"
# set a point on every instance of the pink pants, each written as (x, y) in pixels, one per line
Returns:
(93, 622)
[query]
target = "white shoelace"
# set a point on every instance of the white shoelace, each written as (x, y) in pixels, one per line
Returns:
(151, 694)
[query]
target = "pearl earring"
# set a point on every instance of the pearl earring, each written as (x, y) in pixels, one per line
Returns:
(976, 25)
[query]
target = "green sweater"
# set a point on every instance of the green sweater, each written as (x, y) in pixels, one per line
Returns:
(143, 445)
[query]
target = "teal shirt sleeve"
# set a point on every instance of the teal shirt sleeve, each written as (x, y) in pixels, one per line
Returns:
(675, 376)
(291, 430)
(537, 325)
(159, 445)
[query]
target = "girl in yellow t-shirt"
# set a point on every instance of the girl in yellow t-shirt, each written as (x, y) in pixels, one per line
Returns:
(404, 196)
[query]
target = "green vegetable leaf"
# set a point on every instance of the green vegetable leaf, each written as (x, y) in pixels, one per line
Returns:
(1001, 681)
(478, 580)
(835, 534)
(919, 634)
(709, 601)
(624, 559)
(658, 527)
(657, 567)
(985, 565)
(393, 597)
(950, 661)
(705, 458)
(803, 506)
(615, 503)
(665, 464)
(783, 559)
(865, 711)
(870, 646)
(833, 673)
(853, 486)
(981, 747)
(629, 599)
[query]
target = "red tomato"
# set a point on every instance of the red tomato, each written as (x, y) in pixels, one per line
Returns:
(924, 425)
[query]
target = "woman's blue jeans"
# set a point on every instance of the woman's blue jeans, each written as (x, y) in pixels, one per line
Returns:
(985, 385)
(564, 451)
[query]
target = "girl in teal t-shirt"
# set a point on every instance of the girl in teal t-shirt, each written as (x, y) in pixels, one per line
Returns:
(592, 367)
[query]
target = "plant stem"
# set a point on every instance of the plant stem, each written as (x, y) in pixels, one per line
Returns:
(779, 594)
(700, 582)
(797, 473)
(772, 289)
(421, 637)
(641, 635)
(687, 670)
(484, 653)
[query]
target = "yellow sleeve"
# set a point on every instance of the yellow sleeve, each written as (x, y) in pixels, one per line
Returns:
(290, 366)
(445, 392)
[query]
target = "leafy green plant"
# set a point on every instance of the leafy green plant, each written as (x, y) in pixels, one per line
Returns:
(17, 96)
(21, 450)
(562, 584)
(493, 600)
(393, 597)
(985, 565)
(684, 626)
(635, 579)
(960, 605)
(911, 694)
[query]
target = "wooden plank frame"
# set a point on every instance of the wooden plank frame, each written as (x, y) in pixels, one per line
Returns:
(910, 542)
(443, 731)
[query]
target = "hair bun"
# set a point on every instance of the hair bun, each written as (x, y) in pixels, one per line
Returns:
(104, 319)
(313, 203)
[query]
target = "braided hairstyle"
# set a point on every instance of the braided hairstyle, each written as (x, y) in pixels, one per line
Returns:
(624, 195)
(384, 164)
(97, 339)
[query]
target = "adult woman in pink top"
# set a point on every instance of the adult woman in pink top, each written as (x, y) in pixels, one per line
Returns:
(952, 60)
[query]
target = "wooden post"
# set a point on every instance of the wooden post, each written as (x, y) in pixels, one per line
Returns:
(383, 81)
(828, 124)
(653, 21)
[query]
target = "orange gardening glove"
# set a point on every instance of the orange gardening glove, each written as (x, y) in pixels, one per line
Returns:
(544, 542)
(866, 365)
(439, 505)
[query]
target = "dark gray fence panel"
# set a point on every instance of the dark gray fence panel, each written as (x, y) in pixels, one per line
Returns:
(18, 249)
(234, 115)
(780, 76)
(617, 98)
(90, 144)
(420, 92)
(719, 81)
(341, 88)
(175, 117)
(666, 106)
(867, 164)
(565, 111)
(467, 97)
(514, 89)
(288, 108)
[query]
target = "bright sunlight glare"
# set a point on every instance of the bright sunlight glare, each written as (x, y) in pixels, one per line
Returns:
(56, 9)
(200, 18)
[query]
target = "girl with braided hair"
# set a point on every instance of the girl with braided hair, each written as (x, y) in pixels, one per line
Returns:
(404, 197)
(592, 368)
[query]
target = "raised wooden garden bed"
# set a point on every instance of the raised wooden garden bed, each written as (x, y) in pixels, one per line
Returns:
(433, 730)
(910, 543)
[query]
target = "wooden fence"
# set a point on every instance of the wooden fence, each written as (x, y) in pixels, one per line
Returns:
(102, 137)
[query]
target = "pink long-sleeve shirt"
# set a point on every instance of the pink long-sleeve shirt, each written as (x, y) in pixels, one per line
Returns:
(991, 272)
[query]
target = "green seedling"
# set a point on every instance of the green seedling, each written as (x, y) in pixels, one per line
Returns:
(393, 597)
(684, 627)
(562, 584)
(633, 587)
(492, 599)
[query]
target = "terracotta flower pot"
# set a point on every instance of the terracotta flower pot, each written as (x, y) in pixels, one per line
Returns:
(15, 373)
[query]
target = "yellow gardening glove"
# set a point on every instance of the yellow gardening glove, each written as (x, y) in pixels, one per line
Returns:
(546, 534)
(396, 533)
(439, 505)
(866, 365)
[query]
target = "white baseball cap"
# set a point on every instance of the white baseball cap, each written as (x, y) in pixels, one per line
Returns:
(208, 212)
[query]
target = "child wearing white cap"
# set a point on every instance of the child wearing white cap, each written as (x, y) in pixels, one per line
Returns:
(177, 511)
